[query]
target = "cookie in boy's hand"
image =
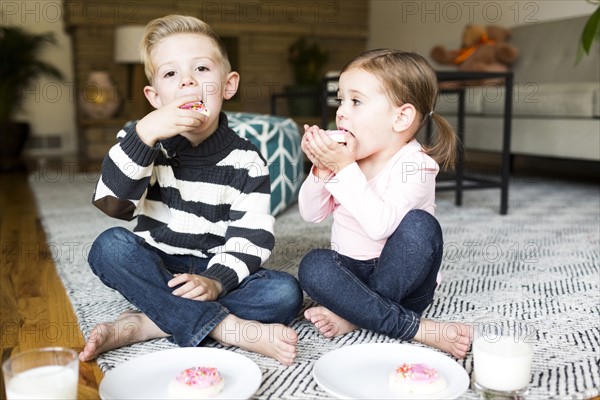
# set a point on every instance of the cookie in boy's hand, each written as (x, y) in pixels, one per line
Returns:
(337, 135)
(196, 106)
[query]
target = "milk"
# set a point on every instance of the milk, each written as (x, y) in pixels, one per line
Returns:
(49, 382)
(502, 364)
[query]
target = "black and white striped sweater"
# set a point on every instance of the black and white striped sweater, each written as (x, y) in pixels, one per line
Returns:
(211, 200)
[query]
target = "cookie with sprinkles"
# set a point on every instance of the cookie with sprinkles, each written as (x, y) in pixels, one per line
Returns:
(196, 383)
(416, 379)
(196, 106)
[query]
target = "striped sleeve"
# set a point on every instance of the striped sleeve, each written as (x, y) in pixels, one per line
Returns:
(126, 173)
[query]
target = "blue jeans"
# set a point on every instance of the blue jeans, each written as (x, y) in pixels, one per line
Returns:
(386, 294)
(140, 272)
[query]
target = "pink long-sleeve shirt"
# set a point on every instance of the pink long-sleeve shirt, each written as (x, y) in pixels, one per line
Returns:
(366, 212)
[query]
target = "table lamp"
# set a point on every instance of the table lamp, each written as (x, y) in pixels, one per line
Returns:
(127, 42)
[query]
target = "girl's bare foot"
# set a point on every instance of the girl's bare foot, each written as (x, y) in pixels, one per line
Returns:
(272, 340)
(130, 327)
(452, 337)
(329, 324)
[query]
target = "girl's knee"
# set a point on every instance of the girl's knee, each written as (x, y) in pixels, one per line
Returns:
(311, 264)
(420, 227)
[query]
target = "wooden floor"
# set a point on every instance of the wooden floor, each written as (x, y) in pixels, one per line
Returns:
(35, 310)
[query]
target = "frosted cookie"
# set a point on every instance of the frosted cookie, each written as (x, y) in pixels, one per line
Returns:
(196, 106)
(417, 379)
(196, 383)
(337, 135)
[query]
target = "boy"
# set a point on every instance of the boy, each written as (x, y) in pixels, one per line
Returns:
(201, 197)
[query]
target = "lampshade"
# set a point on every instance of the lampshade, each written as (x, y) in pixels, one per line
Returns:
(127, 43)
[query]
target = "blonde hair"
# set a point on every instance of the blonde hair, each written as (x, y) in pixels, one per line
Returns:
(407, 77)
(161, 28)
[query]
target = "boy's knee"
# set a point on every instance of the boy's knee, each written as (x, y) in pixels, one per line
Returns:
(107, 246)
(288, 286)
(293, 293)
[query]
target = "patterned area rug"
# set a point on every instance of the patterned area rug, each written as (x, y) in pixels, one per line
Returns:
(539, 263)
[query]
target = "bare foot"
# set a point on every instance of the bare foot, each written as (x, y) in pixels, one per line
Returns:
(452, 337)
(329, 324)
(130, 327)
(272, 340)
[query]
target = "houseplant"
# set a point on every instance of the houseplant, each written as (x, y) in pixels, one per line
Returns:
(590, 33)
(20, 66)
(307, 60)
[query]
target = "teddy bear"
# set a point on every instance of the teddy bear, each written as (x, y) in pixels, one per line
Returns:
(484, 49)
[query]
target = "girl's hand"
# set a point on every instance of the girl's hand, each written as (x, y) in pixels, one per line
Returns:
(327, 155)
(168, 121)
(196, 287)
(320, 170)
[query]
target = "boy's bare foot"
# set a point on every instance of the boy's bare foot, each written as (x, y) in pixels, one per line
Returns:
(452, 337)
(130, 327)
(272, 340)
(328, 323)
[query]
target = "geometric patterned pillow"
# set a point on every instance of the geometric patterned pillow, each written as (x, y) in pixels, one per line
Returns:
(278, 140)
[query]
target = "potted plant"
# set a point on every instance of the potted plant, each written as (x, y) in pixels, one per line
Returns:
(20, 66)
(590, 33)
(307, 60)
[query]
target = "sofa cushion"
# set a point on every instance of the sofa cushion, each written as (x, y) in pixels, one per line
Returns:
(558, 100)
(572, 100)
(548, 51)
(447, 102)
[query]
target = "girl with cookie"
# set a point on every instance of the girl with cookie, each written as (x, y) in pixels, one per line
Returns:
(386, 245)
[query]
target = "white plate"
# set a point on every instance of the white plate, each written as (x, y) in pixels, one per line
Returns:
(147, 376)
(362, 371)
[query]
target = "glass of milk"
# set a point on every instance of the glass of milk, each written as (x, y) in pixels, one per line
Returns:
(45, 373)
(502, 355)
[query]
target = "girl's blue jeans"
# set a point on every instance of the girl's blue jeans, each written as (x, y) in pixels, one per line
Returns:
(387, 294)
(140, 272)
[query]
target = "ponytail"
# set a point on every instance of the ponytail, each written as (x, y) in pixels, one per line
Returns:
(445, 143)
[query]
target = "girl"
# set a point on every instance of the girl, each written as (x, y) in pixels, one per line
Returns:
(380, 187)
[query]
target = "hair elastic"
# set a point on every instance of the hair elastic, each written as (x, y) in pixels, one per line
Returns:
(430, 113)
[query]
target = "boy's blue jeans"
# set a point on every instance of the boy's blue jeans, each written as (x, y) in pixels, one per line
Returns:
(387, 294)
(140, 272)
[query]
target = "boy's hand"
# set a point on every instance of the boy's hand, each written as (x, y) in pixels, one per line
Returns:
(327, 155)
(168, 121)
(196, 287)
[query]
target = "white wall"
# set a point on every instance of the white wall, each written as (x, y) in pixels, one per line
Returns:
(49, 104)
(420, 25)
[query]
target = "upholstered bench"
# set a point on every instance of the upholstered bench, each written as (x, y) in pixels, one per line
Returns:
(278, 140)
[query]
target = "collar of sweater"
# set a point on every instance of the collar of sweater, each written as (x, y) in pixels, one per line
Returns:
(218, 141)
